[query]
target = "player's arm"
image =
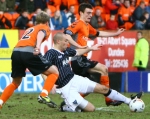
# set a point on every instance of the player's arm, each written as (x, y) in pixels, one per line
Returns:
(40, 36)
(104, 33)
(88, 49)
(71, 30)
(108, 34)
(72, 42)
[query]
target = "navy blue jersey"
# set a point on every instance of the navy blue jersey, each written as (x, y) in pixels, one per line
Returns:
(61, 60)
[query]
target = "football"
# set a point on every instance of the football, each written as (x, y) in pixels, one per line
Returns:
(137, 105)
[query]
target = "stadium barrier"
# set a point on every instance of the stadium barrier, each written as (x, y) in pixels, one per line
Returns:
(122, 82)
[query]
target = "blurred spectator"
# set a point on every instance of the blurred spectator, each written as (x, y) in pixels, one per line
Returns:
(124, 16)
(122, 2)
(30, 6)
(10, 4)
(21, 6)
(42, 4)
(98, 5)
(141, 53)
(48, 11)
(112, 24)
(27, 5)
(145, 1)
(33, 18)
(3, 5)
(139, 11)
(132, 5)
(57, 21)
(147, 8)
(92, 2)
(4, 22)
(22, 21)
(50, 5)
(63, 11)
(70, 15)
(139, 24)
(96, 21)
(111, 7)
(147, 24)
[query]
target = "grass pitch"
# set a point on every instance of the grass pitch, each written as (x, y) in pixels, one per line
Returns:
(25, 106)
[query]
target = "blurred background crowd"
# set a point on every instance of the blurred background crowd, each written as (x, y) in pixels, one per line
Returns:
(107, 15)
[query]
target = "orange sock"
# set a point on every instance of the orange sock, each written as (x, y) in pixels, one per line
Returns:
(83, 95)
(8, 91)
(48, 84)
(104, 80)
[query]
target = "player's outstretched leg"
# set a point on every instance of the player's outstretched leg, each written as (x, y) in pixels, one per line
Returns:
(114, 95)
(9, 90)
(104, 80)
(138, 95)
(47, 87)
(46, 100)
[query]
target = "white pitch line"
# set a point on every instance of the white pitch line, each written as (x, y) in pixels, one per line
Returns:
(110, 109)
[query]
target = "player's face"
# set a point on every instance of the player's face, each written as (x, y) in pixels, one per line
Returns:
(139, 35)
(87, 15)
(64, 43)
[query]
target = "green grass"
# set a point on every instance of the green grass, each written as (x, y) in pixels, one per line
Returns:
(25, 106)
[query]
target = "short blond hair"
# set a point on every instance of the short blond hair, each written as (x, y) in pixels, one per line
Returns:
(42, 17)
(58, 36)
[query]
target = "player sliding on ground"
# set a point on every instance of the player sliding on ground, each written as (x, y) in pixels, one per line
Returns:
(71, 85)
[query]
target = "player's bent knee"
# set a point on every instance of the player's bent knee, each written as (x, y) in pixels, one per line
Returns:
(101, 89)
(87, 106)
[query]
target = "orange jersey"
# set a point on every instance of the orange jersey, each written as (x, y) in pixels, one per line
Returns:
(82, 31)
(29, 38)
(124, 12)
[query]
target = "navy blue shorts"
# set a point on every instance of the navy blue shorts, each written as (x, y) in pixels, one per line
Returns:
(80, 65)
(21, 60)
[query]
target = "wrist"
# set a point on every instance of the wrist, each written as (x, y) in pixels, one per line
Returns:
(36, 49)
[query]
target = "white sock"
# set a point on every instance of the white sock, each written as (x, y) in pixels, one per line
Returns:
(1, 102)
(45, 91)
(66, 108)
(114, 95)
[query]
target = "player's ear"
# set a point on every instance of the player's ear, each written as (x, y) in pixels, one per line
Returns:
(81, 13)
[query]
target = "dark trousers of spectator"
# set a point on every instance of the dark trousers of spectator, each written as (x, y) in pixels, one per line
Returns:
(141, 69)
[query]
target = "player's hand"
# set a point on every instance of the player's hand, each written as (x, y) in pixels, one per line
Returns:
(120, 30)
(96, 47)
(36, 51)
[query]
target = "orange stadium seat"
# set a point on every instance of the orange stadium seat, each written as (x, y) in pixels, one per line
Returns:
(64, 2)
(57, 2)
(103, 2)
(14, 18)
(8, 16)
(72, 2)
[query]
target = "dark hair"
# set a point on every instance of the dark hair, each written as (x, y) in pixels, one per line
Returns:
(142, 18)
(140, 32)
(83, 6)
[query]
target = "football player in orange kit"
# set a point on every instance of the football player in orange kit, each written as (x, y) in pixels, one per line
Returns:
(79, 32)
(26, 54)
